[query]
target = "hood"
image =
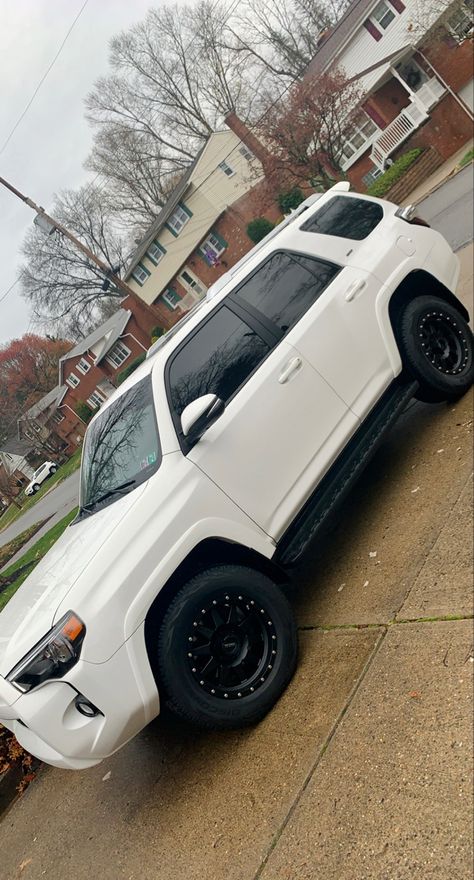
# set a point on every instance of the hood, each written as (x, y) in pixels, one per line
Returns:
(30, 613)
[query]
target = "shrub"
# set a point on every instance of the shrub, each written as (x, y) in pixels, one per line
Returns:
(83, 411)
(383, 183)
(156, 333)
(131, 367)
(259, 228)
(467, 158)
(290, 200)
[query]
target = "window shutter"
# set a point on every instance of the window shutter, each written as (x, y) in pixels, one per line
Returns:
(373, 31)
(375, 116)
(397, 5)
(186, 209)
(221, 240)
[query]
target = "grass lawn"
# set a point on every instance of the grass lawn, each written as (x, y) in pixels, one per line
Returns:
(9, 550)
(467, 158)
(28, 501)
(32, 556)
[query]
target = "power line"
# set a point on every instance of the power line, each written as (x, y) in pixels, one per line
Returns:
(53, 62)
(4, 295)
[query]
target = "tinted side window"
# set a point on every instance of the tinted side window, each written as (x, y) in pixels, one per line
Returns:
(286, 286)
(216, 360)
(345, 217)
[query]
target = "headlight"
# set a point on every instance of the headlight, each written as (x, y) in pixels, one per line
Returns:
(53, 656)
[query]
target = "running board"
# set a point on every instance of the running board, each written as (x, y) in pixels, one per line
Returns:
(343, 474)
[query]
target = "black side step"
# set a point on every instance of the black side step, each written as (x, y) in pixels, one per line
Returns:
(343, 474)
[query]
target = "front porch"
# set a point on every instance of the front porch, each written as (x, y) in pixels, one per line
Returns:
(423, 96)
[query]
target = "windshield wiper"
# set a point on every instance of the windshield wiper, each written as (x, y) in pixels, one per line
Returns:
(117, 490)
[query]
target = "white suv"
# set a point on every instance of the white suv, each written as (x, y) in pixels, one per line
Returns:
(208, 473)
(40, 475)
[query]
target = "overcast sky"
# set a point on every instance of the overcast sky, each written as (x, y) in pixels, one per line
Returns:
(49, 147)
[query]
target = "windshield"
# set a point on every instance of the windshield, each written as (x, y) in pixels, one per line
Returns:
(121, 448)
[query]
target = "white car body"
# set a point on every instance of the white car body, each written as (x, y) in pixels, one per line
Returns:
(243, 483)
(40, 475)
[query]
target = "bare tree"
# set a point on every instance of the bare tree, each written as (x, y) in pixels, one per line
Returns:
(63, 286)
(438, 18)
(283, 35)
(173, 81)
(305, 133)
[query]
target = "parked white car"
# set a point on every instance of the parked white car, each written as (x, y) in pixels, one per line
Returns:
(210, 471)
(40, 475)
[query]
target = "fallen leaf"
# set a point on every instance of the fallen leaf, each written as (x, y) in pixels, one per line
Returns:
(366, 583)
(439, 450)
(415, 695)
(107, 776)
(373, 554)
(340, 589)
(23, 864)
(415, 490)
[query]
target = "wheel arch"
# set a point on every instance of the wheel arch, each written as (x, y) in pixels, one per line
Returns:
(417, 283)
(208, 553)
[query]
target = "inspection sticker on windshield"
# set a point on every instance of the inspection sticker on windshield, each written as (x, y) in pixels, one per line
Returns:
(146, 462)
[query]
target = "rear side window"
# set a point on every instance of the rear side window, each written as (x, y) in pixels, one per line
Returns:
(345, 217)
(285, 287)
(217, 360)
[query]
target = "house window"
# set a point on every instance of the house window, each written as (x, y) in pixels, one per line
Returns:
(246, 153)
(96, 399)
(178, 219)
(461, 23)
(155, 252)
(212, 248)
(72, 380)
(226, 168)
(140, 274)
(58, 417)
(362, 131)
(118, 354)
(171, 298)
(191, 283)
(83, 366)
(371, 176)
(382, 15)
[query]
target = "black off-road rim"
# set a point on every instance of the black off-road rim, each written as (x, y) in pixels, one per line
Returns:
(443, 342)
(232, 646)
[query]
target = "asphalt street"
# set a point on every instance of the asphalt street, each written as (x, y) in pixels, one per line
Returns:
(55, 504)
(449, 209)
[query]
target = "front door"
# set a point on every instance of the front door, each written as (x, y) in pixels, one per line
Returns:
(282, 427)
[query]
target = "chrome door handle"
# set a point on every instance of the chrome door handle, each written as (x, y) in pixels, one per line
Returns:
(289, 370)
(354, 289)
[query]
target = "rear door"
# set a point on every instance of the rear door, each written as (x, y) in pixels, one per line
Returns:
(283, 424)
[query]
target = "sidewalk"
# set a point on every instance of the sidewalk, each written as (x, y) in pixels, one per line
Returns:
(438, 177)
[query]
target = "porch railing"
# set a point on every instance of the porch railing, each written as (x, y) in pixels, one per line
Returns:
(430, 93)
(396, 133)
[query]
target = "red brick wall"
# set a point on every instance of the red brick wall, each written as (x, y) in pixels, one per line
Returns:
(389, 100)
(453, 62)
(447, 130)
(70, 428)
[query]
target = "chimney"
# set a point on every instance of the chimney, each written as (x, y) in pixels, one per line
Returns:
(247, 137)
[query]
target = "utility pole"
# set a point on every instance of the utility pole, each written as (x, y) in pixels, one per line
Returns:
(57, 227)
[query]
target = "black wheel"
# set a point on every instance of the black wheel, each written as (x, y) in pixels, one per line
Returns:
(35, 488)
(227, 648)
(53, 469)
(437, 347)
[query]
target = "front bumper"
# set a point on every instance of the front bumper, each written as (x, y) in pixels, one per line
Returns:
(47, 723)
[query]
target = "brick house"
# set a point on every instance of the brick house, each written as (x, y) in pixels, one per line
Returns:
(87, 375)
(417, 87)
(201, 231)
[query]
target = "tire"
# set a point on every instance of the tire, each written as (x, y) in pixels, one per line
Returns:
(53, 470)
(243, 630)
(437, 348)
(35, 489)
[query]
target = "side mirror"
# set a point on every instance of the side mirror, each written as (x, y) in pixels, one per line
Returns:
(199, 415)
